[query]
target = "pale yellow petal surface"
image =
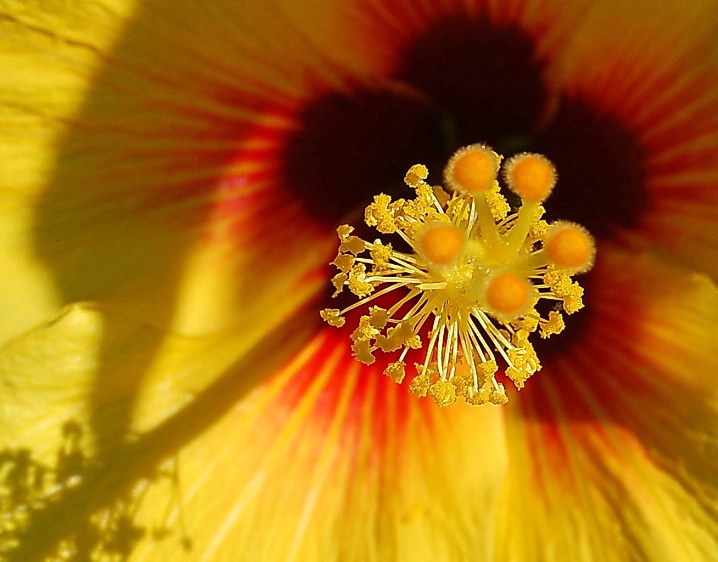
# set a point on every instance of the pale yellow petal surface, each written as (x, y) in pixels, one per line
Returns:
(141, 149)
(337, 461)
(330, 461)
(49, 58)
(92, 407)
(614, 451)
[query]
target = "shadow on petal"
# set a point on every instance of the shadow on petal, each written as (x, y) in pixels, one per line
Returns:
(136, 180)
(86, 501)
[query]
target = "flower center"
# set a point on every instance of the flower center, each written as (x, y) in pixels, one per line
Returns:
(467, 290)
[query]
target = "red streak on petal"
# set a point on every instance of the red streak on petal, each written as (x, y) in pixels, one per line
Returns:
(391, 406)
(250, 198)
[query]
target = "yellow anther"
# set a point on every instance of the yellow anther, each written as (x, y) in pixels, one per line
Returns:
(421, 208)
(401, 335)
(332, 316)
(441, 195)
(352, 244)
(522, 365)
(338, 281)
(378, 317)
(344, 262)
(396, 371)
(344, 231)
(472, 169)
(365, 331)
(420, 385)
(528, 323)
(380, 214)
(573, 302)
(568, 291)
(358, 283)
(570, 246)
(539, 229)
(440, 243)
(416, 174)
(478, 398)
(380, 255)
(464, 385)
(508, 294)
(443, 392)
(559, 281)
(530, 176)
(362, 351)
(498, 204)
(488, 368)
(498, 397)
(554, 324)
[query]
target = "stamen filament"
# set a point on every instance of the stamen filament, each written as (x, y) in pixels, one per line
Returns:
(371, 298)
(395, 308)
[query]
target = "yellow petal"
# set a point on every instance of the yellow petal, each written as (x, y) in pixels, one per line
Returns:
(325, 460)
(614, 450)
(90, 366)
(49, 56)
(143, 170)
(339, 464)
(95, 406)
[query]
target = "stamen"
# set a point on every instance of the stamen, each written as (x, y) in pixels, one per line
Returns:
(467, 291)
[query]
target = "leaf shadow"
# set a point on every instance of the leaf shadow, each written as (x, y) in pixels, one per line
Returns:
(132, 187)
(86, 503)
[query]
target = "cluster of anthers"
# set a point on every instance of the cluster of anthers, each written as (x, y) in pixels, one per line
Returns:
(467, 289)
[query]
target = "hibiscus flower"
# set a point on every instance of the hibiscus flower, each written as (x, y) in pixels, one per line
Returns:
(172, 178)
